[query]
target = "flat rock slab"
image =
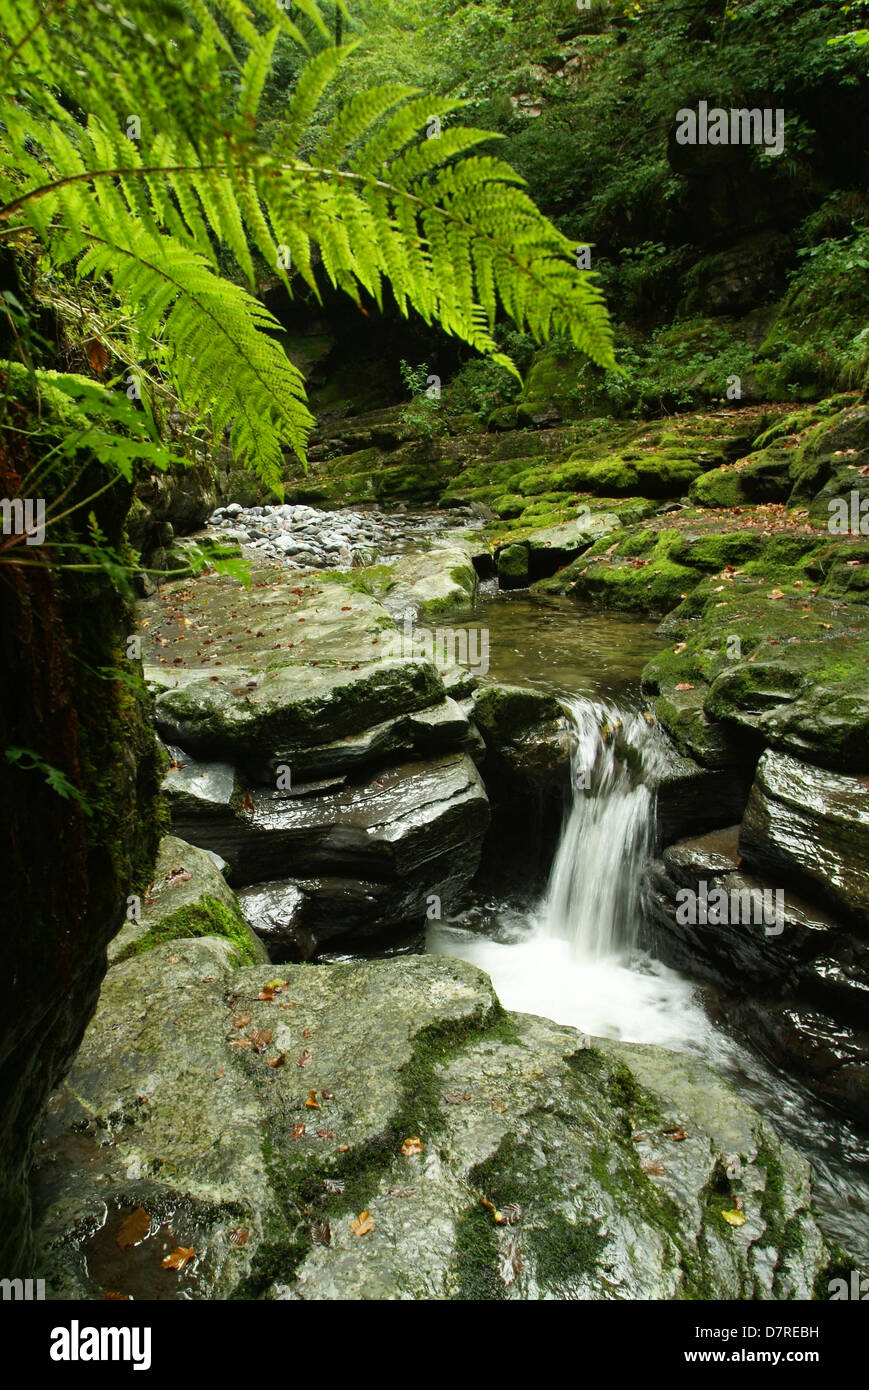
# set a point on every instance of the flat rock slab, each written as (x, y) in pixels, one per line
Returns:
(215, 619)
(425, 819)
(403, 1092)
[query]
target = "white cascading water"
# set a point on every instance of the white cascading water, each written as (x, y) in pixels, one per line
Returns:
(595, 888)
(574, 959)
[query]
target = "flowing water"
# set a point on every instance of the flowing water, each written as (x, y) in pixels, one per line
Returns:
(573, 955)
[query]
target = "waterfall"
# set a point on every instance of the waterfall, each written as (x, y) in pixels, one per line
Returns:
(593, 900)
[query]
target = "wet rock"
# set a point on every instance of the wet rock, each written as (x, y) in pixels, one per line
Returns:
(163, 1111)
(527, 775)
(423, 819)
(810, 826)
(692, 798)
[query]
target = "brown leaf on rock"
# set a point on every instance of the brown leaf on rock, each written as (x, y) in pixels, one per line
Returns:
(653, 1168)
(240, 1042)
(362, 1224)
(304, 1059)
(260, 1040)
(179, 1257)
(676, 1133)
(248, 804)
(134, 1229)
(412, 1146)
(685, 685)
(241, 1020)
(298, 1131)
(238, 1236)
(775, 593)
(277, 1061)
(125, 1297)
(321, 1232)
(509, 1215)
(312, 1102)
(327, 1094)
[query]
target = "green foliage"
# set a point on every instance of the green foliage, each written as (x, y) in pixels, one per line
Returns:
(201, 183)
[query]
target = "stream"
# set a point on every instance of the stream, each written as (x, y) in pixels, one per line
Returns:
(572, 955)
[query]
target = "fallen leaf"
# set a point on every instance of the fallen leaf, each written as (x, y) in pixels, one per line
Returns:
(362, 1224)
(97, 355)
(276, 985)
(657, 1169)
(312, 1102)
(306, 1032)
(238, 1236)
(676, 1134)
(179, 1257)
(325, 1134)
(298, 1131)
(342, 1148)
(334, 1186)
(679, 648)
(247, 804)
(277, 1061)
(127, 1297)
(328, 1095)
(734, 1218)
(321, 1232)
(260, 1040)
(776, 593)
(134, 1228)
(411, 1146)
(240, 1042)
(220, 1071)
(173, 960)
(177, 876)
(241, 1020)
(685, 685)
(304, 1059)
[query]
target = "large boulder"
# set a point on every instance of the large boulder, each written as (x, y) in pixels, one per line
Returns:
(383, 1130)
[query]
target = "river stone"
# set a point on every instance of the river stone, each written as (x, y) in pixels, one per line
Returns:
(431, 583)
(188, 897)
(810, 826)
(569, 1141)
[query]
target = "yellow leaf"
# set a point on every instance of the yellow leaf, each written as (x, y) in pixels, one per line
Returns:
(734, 1218)
(362, 1224)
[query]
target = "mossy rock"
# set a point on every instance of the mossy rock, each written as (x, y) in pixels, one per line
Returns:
(512, 564)
(189, 897)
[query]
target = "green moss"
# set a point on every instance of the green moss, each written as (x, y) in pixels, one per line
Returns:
(207, 917)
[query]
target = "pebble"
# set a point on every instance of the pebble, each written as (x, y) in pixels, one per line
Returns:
(308, 537)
